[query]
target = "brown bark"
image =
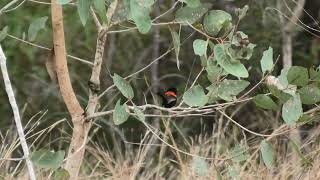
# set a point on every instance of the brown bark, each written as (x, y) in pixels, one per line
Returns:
(76, 149)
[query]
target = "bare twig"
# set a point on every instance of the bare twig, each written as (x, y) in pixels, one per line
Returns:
(16, 114)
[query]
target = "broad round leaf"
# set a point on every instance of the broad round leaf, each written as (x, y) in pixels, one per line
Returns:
(314, 74)
(195, 96)
(200, 47)
(200, 166)
(139, 113)
(140, 15)
(298, 76)
(214, 71)
(36, 25)
(233, 172)
(190, 15)
(267, 153)
(239, 153)
(83, 10)
(123, 86)
(265, 102)
(228, 89)
(47, 159)
(309, 94)
(215, 21)
(120, 115)
(233, 67)
(267, 60)
(292, 109)
(100, 6)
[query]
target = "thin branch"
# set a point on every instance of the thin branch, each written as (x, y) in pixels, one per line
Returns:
(49, 49)
(16, 114)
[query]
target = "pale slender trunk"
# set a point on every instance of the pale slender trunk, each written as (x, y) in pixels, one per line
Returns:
(16, 114)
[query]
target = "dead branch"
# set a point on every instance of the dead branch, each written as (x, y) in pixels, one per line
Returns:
(16, 114)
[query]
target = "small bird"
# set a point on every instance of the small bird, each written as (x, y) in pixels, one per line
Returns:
(169, 97)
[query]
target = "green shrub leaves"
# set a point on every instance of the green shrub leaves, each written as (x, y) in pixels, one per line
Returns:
(36, 25)
(200, 47)
(292, 109)
(217, 22)
(190, 15)
(47, 159)
(123, 86)
(83, 10)
(267, 153)
(298, 76)
(200, 166)
(120, 115)
(229, 64)
(195, 96)
(267, 60)
(265, 102)
(140, 15)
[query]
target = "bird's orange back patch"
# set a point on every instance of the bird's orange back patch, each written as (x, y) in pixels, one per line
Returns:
(170, 93)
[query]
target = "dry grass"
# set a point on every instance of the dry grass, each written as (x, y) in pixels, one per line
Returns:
(116, 158)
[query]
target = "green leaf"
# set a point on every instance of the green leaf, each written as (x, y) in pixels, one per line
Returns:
(267, 153)
(195, 96)
(36, 25)
(214, 71)
(47, 159)
(140, 115)
(292, 109)
(3, 33)
(140, 15)
(267, 60)
(233, 172)
(190, 15)
(217, 20)
(123, 86)
(314, 74)
(200, 47)
(239, 153)
(176, 45)
(241, 12)
(200, 166)
(218, 174)
(282, 96)
(228, 89)
(213, 93)
(61, 174)
(62, 2)
(100, 6)
(192, 3)
(298, 76)
(283, 80)
(120, 115)
(309, 94)
(265, 102)
(83, 10)
(146, 3)
(233, 67)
